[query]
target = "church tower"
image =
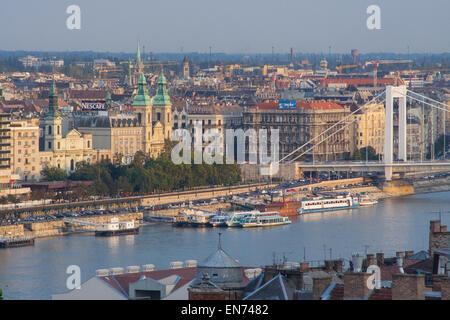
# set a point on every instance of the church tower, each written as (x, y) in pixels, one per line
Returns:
(139, 66)
(51, 123)
(162, 107)
(186, 72)
(142, 106)
(1, 93)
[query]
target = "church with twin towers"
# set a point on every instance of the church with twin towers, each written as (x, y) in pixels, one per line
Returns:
(118, 135)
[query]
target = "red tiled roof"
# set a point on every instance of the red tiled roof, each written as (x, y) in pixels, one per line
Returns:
(266, 105)
(388, 271)
(122, 282)
(324, 105)
(361, 81)
(337, 293)
(87, 94)
(306, 105)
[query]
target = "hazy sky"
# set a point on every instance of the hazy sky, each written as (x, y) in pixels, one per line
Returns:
(232, 26)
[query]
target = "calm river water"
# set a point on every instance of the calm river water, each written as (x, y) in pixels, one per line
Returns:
(392, 225)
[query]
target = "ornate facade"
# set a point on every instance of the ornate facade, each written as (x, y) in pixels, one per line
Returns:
(67, 150)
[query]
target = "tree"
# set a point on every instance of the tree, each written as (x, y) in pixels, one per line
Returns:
(366, 152)
(53, 174)
(439, 146)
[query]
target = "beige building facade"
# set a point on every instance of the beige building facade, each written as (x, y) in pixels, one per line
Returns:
(25, 157)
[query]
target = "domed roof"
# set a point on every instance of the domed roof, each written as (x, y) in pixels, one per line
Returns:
(219, 259)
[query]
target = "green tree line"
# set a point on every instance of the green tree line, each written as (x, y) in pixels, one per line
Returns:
(144, 175)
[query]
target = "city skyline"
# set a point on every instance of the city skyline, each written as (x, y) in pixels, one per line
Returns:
(176, 26)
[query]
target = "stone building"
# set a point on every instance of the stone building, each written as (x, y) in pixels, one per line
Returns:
(299, 125)
(25, 157)
(144, 129)
(367, 128)
(67, 149)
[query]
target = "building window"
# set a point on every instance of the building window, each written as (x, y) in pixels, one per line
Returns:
(49, 129)
(89, 143)
(49, 145)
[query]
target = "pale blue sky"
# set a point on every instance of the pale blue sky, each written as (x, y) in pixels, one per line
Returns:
(232, 26)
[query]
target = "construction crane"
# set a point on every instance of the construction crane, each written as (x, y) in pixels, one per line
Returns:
(340, 68)
(106, 69)
(376, 63)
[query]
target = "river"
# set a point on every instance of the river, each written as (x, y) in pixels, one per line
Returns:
(392, 225)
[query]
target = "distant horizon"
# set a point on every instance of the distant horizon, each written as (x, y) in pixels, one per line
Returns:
(224, 52)
(233, 27)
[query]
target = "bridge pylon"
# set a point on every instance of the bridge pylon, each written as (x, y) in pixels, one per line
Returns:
(391, 94)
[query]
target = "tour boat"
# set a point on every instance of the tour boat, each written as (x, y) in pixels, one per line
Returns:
(264, 219)
(193, 218)
(319, 204)
(234, 219)
(116, 228)
(219, 221)
(365, 200)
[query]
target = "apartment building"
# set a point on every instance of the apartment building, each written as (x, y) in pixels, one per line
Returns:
(367, 128)
(298, 125)
(25, 158)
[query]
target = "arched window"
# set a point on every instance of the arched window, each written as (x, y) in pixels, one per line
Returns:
(58, 130)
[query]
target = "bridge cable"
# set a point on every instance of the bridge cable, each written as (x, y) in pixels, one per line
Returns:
(336, 124)
(332, 134)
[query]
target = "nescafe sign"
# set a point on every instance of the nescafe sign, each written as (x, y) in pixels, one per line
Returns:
(93, 105)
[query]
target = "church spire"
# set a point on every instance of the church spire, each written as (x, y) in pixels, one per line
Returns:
(53, 100)
(138, 57)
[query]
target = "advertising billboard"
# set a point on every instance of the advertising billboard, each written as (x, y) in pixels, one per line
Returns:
(93, 105)
(287, 104)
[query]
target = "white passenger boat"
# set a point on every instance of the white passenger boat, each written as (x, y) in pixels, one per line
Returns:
(235, 218)
(264, 219)
(218, 221)
(193, 218)
(319, 204)
(366, 200)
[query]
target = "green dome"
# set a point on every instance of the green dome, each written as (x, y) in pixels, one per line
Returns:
(162, 96)
(142, 98)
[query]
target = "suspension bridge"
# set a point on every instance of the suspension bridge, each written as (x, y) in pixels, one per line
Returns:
(387, 166)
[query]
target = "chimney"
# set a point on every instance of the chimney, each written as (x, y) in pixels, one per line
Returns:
(355, 285)
(320, 284)
(338, 265)
(357, 261)
(408, 286)
(400, 255)
(304, 266)
(380, 259)
(329, 264)
(371, 260)
(435, 226)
